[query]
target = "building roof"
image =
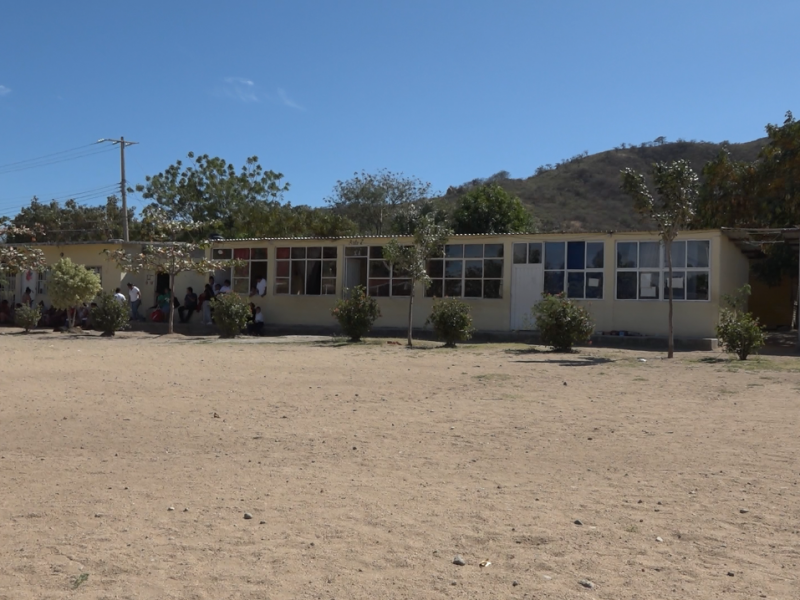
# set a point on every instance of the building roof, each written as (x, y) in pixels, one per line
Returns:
(752, 241)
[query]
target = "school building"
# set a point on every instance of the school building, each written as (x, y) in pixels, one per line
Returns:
(620, 277)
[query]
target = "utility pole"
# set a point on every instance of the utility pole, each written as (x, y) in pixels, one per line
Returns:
(122, 184)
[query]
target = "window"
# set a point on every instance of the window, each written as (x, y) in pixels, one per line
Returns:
(528, 254)
(309, 271)
(8, 284)
(246, 277)
(643, 274)
(41, 283)
(467, 271)
(366, 265)
(576, 267)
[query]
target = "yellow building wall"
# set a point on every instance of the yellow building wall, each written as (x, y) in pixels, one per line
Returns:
(729, 270)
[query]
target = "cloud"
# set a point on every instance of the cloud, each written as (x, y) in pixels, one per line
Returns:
(4, 90)
(241, 89)
(284, 97)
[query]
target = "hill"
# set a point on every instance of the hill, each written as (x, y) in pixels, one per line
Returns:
(583, 193)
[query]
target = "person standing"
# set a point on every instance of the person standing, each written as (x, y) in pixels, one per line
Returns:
(120, 297)
(135, 297)
(189, 305)
(208, 296)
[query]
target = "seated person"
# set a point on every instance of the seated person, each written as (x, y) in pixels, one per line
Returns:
(189, 305)
(226, 287)
(162, 302)
(82, 318)
(257, 325)
(5, 312)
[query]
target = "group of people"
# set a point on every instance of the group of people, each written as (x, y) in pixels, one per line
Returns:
(192, 302)
(50, 317)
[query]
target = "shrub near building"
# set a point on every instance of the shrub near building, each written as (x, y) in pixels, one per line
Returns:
(357, 313)
(561, 322)
(451, 321)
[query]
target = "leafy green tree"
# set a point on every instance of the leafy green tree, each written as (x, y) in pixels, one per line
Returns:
(370, 200)
(72, 222)
(489, 208)
(15, 259)
(169, 255)
(451, 321)
(71, 285)
(110, 315)
(27, 317)
(231, 312)
(739, 331)
(356, 314)
(561, 322)
(210, 190)
(676, 186)
(429, 240)
(407, 218)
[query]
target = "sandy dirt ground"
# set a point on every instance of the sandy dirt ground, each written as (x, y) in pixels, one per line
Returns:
(127, 466)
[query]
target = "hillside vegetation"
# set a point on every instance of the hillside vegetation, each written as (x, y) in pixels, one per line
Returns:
(583, 193)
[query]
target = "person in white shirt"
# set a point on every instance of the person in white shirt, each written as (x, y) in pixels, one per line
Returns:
(120, 297)
(136, 300)
(226, 288)
(261, 286)
(257, 326)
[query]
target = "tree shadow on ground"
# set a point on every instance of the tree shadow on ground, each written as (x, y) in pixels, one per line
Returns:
(577, 361)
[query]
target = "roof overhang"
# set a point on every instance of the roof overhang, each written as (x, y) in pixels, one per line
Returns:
(752, 241)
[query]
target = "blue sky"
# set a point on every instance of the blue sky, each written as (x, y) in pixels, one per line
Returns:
(446, 91)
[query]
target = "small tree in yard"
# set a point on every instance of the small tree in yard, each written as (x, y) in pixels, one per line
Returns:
(677, 187)
(169, 256)
(451, 321)
(561, 322)
(429, 240)
(71, 285)
(357, 313)
(110, 315)
(739, 331)
(231, 312)
(27, 317)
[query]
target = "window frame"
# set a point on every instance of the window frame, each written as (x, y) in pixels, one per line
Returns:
(462, 257)
(586, 270)
(663, 271)
(246, 255)
(327, 284)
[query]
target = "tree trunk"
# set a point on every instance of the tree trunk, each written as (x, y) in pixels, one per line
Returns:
(410, 315)
(171, 301)
(670, 341)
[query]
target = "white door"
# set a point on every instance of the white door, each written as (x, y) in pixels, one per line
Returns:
(527, 283)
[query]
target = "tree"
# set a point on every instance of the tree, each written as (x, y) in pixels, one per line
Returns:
(169, 255)
(407, 218)
(371, 200)
(677, 186)
(15, 259)
(429, 240)
(110, 315)
(738, 331)
(489, 208)
(72, 222)
(211, 191)
(71, 285)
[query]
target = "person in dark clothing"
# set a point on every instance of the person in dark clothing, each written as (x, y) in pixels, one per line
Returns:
(208, 296)
(189, 306)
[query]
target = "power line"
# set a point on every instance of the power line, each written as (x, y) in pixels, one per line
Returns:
(19, 162)
(5, 171)
(44, 198)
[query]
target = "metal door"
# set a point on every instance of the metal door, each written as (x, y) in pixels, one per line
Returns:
(527, 283)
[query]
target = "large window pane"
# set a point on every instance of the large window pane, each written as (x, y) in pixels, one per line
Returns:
(648, 255)
(401, 287)
(626, 255)
(678, 254)
(576, 255)
(313, 252)
(241, 286)
(282, 268)
(436, 268)
(473, 269)
(378, 268)
(473, 251)
(454, 250)
(492, 288)
(493, 268)
(575, 285)
(697, 254)
(258, 253)
(435, 289)
(626, 285)
(242, 270)
(355, 251)
(329, 268)
(493, 251)
(313, 277)
(379, 287)
(330, 252)
(520, 254)
(535, 253)
(678, 285)
(648, 285)
(594, 285)
(282, 253)
(329, 287)
(282, 285)
(473, 288)
(298, 253)
(554, 258)
(553, 282)
(376, 251)
(241, 253)
(222, 253)
(453, 269)
(298, 277)
(452, 288)
(594, 255)
(697, 285)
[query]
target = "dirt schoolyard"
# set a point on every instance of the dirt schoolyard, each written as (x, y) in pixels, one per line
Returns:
(128, 464)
